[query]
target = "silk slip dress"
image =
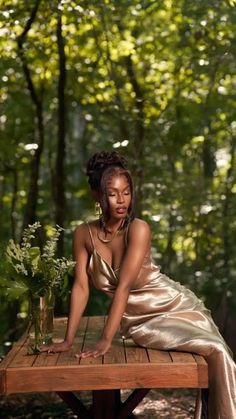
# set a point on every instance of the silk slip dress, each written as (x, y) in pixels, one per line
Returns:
(163, 314)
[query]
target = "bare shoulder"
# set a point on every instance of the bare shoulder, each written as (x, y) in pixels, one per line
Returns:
(82, 236)
(139, 228)
(81, 232)
(80, 229)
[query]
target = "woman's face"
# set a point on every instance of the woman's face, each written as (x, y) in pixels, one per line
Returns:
(119, 196)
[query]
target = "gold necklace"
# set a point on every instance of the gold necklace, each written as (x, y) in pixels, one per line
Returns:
(114, 235)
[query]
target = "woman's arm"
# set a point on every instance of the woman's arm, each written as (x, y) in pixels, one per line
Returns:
(139, 242)
(79, 294)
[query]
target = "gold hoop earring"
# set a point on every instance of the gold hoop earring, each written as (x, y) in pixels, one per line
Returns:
(98, 209)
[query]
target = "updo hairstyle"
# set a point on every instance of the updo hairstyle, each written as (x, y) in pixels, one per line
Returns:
(100, 168)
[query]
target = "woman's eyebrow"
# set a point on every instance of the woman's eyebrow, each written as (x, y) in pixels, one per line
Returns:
(117, 189)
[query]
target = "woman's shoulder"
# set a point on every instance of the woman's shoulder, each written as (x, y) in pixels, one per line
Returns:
(138, 226)
(137, 222)
(84, 227)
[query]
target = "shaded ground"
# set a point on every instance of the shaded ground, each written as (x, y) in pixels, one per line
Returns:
(168, 404)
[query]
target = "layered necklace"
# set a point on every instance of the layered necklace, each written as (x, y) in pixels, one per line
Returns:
(113, 235)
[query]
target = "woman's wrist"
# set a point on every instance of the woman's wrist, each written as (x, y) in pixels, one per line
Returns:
(106, 337)
(68, 342)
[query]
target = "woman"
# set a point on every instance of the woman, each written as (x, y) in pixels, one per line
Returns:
(114, 252)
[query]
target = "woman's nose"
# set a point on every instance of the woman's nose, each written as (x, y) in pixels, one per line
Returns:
(120, 198)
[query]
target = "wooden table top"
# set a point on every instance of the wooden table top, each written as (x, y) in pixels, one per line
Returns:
(124, 366)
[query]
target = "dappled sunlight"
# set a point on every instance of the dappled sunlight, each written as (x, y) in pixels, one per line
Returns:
(153, 80)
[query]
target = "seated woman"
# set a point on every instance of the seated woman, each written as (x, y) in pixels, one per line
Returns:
(155, 311)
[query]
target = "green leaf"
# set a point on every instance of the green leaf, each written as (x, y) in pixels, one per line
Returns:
(35, 259)
(12, 289)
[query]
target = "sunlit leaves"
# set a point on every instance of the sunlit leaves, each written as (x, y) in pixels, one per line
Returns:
(183, 61)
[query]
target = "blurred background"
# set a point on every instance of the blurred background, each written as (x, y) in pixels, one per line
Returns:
(155, 80)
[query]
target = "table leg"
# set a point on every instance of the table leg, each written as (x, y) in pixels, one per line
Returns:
(75, 404)
(131, 402)
(205, 395)
(106, 404)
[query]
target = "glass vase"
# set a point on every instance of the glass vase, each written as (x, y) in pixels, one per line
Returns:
(41, 311)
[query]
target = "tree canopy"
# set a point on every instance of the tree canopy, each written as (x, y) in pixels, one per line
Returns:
(155, 80)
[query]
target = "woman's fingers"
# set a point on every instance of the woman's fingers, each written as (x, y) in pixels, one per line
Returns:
(90, 353)
(100, 349)
(85, 354)
(61, 347)
(44, 348)
(58, 347)
(48, 349)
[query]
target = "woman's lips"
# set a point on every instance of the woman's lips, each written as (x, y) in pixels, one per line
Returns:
(120, 210)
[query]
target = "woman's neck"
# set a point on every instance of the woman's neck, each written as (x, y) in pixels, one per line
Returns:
(113, 225)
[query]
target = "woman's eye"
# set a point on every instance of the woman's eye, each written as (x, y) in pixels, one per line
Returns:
(114, 194)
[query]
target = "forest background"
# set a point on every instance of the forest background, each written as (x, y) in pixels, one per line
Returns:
(155, 80)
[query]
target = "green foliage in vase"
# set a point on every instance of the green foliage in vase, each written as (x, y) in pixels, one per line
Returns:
(28, 268)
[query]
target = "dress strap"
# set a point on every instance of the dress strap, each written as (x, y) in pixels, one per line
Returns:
(90, 233)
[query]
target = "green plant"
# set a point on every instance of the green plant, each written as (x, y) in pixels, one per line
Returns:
(29, 269)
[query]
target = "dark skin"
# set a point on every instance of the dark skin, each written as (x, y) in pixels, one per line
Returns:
(129, 260)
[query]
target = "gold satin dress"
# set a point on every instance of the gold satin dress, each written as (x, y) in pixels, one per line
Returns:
(163, 314)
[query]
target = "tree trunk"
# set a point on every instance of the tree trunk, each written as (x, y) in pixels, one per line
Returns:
(30, 209)
(139, 134)
(13, 203)
(111, 66)
(60, 198)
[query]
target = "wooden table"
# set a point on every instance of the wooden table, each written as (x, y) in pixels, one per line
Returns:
(125, 366)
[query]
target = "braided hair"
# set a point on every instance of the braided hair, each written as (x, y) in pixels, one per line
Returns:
(102, 166)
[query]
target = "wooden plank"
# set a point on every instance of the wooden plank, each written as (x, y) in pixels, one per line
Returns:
(82, 327)
(59, 327)
(159, 356)
(189, 358)
(182, 357)
(18, 355)
(68, 358)
(135, 354)
(13, 352)
(199, 359)
(2, 381)
(202, 365)
(22, 359)
(93, 333)
(116, 354)
(98, 377)
(45, 359)
(131, 367)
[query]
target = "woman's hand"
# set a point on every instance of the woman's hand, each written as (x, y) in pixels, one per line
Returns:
(102, 346)
(55, 347)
